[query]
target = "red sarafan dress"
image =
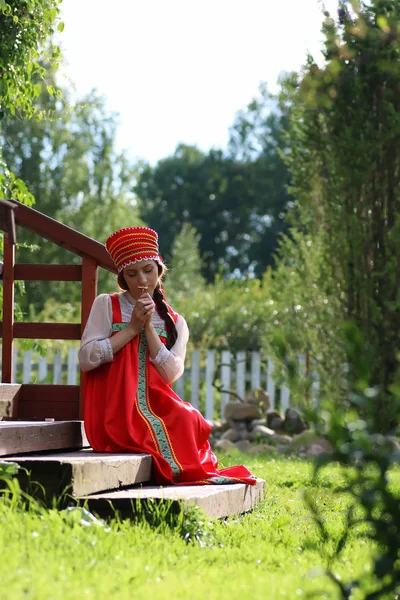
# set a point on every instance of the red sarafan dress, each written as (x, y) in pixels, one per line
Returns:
(130, 408)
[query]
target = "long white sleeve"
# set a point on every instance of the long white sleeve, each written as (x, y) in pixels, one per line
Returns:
(95, 343)
(171, 363)
(96, 347)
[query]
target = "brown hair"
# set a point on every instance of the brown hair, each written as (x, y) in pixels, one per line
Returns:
(160, 302)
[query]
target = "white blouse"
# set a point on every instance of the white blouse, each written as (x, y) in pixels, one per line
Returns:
(96, 347)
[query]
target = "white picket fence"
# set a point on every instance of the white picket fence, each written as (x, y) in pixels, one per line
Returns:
(240, 373)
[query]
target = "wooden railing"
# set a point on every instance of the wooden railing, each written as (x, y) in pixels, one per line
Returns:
(93, 254)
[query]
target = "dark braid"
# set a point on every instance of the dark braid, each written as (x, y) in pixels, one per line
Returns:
(162, 309)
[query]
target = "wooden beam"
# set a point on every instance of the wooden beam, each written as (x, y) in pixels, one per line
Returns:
(8, 311)
(89, 288)
(12, 236)
(40, 401)
(89, 292)
(43, 331)
(62, 235)
(26, 272)
(7, 222)
(47, 331)
(34, 392)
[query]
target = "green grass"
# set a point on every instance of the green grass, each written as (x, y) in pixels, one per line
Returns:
(274, 552)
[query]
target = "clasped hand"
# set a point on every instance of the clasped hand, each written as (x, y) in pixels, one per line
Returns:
(142, 312)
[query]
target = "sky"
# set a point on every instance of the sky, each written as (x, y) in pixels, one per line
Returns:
(179, 70)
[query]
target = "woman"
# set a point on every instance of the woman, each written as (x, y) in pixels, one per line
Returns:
(132, 349)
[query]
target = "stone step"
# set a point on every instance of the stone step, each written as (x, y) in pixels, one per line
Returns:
(217, 501)
(80, 473)
(21, 437)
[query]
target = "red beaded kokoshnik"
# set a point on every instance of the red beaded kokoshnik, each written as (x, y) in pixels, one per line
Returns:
(132, 244)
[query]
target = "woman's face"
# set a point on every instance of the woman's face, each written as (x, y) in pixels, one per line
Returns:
(141, 277)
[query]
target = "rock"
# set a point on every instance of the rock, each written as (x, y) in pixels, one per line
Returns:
(390, 443)
(312, 450)
(233, 435)
(261, 432)
(243, 445)
(217, 426)
(294, 421)
(394, 443)
(284, 449)
(308, 444)
(258, 422)
(306, 437)
(240, 426)
(224, 445)
(261, 449)
(241, 411)
(279, 438)
(275, 420)
(260, 398)
(246, 435)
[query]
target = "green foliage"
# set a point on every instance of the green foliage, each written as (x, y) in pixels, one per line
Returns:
(367, 458)
(8, 470)
(26, 26)
(229, 314)
(79, 180)
(344, 161)
(273, 552)
(305, 303)
(185, 277)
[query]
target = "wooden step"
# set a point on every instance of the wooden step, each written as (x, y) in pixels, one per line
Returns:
(217, 501)
(9, 400)
(80, 473)
(20, 437)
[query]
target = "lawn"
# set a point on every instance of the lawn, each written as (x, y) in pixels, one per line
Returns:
(274, 552)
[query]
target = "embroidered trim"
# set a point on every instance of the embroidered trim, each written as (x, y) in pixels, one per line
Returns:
(108, 353)
(120, 326)
(157, 424)
(161, 358)
(127, 263)
(214, 481)
(222, 479)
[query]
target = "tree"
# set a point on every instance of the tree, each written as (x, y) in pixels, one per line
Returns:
(26, 27)
(70, 165)
(344, 161)
(258, 140)
(185, 275)
(235, 201)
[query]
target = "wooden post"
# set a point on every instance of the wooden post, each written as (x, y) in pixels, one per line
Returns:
(8, 310)
(89, 288)
(89, 292)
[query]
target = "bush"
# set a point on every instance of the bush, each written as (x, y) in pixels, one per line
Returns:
(230, 314)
